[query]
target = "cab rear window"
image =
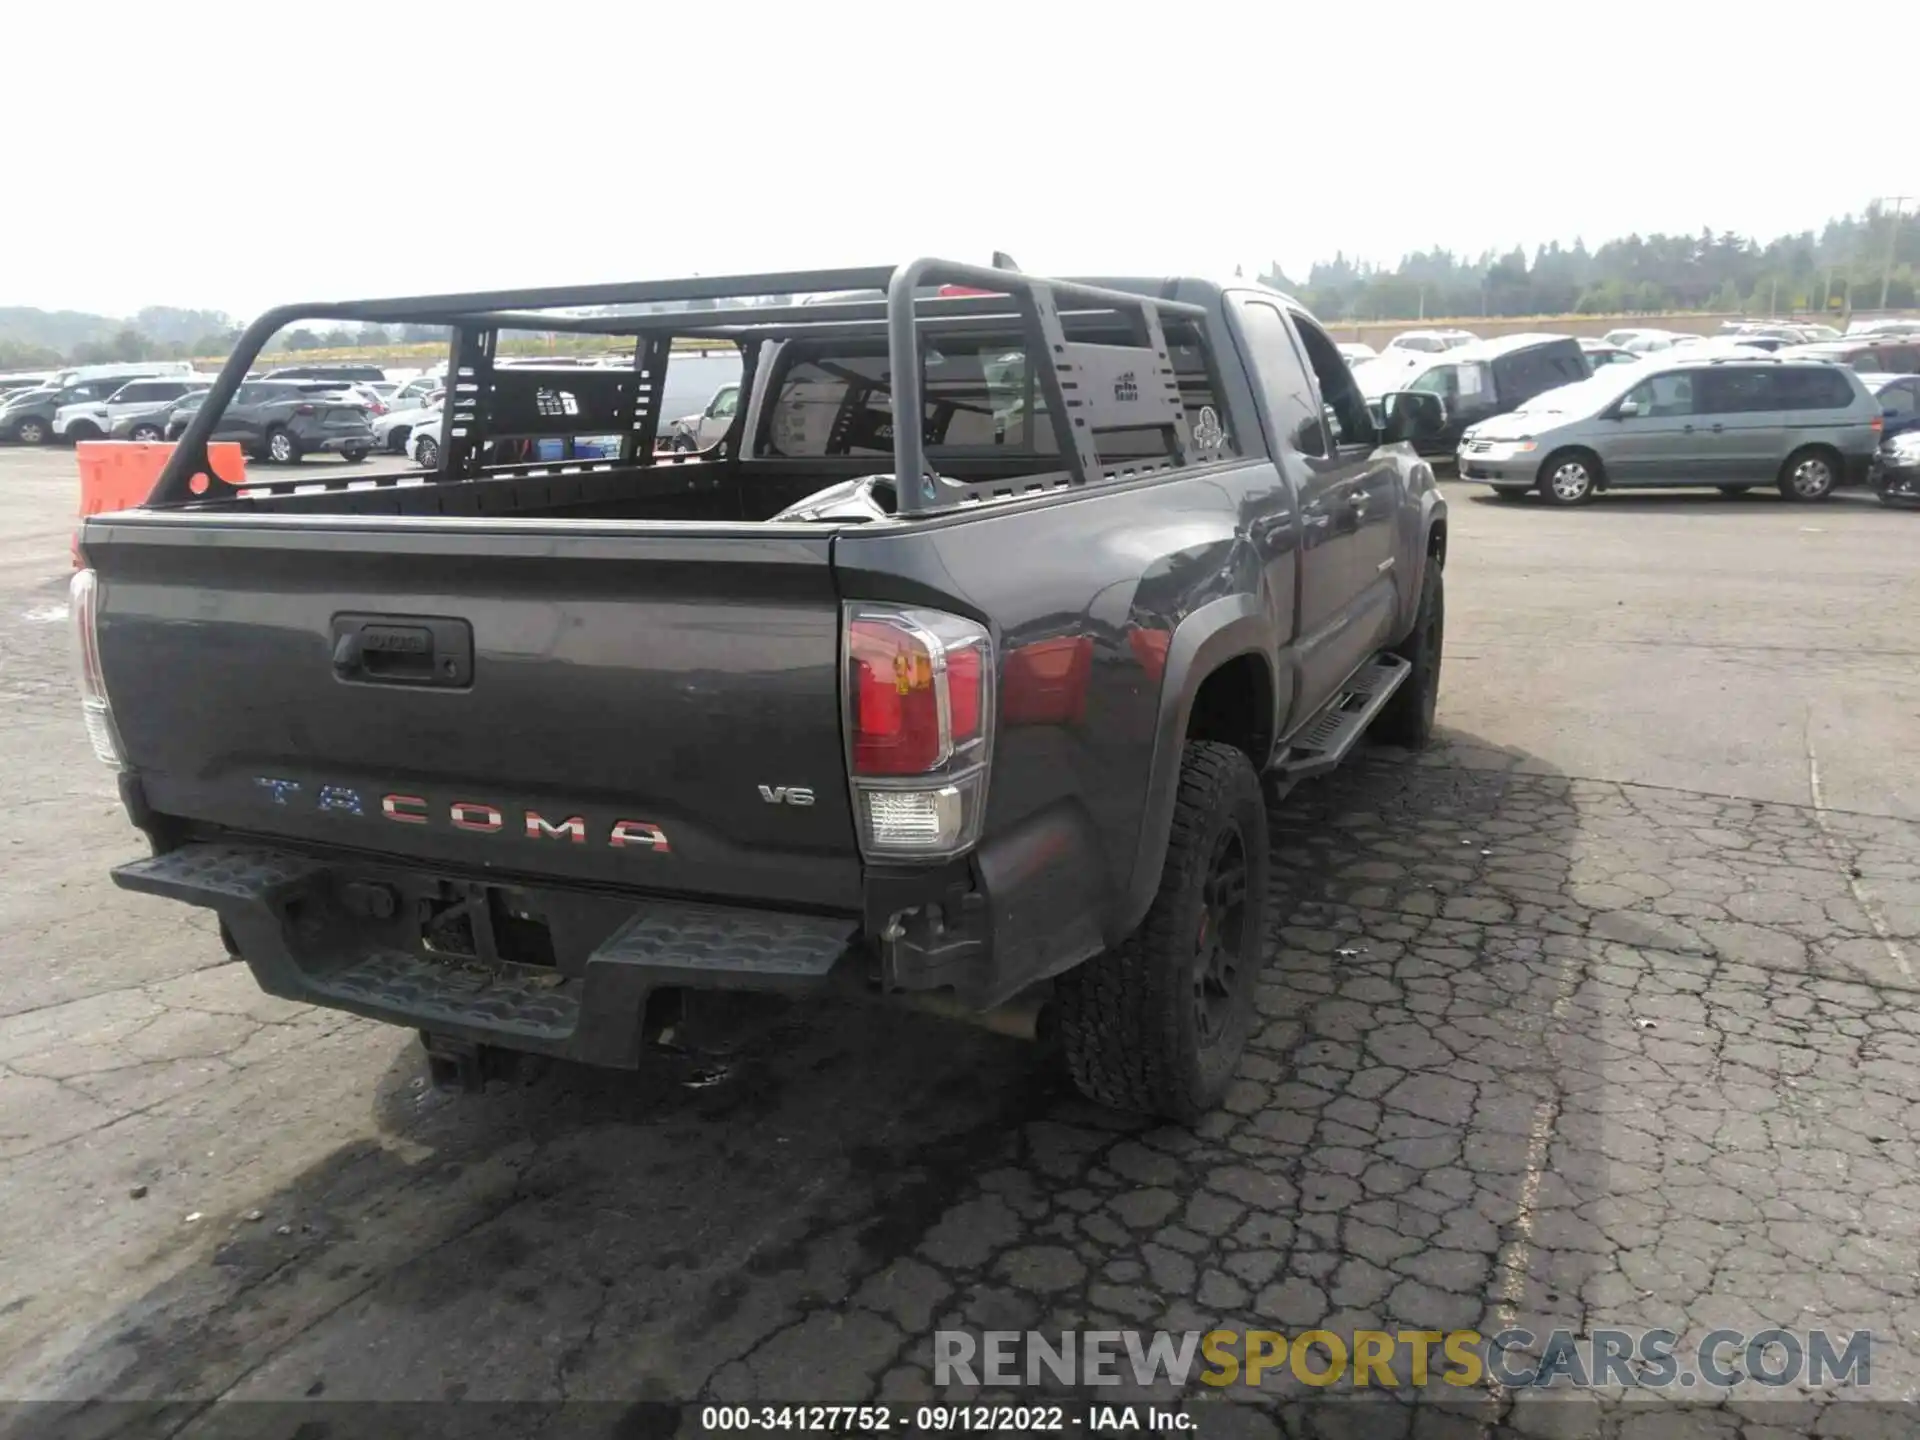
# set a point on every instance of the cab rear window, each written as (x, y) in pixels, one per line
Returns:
(981, 397)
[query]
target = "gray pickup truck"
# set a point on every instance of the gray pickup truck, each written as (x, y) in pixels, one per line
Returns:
(972, 714)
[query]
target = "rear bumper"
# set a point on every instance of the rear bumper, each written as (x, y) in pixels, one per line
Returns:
(343, 934)
(344, 931)
(329, 443)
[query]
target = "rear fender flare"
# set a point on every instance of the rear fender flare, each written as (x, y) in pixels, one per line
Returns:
(1217, 632)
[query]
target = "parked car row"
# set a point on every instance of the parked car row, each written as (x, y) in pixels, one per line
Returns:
(1892, 328)
(1865, 346)
(137, 400)
(28, 416)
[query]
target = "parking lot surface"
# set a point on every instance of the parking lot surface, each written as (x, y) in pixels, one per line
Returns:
(1602, 1012)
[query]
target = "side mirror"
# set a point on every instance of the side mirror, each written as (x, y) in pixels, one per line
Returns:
(1626, 410)
(1411, 415)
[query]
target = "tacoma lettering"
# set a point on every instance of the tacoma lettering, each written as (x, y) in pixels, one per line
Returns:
(476, 817)
(573, 828)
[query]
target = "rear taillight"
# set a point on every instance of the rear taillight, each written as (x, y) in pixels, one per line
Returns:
(920, 710)
(84, 606)
(304, 410)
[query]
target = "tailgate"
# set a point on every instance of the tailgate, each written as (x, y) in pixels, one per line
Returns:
(636, 708)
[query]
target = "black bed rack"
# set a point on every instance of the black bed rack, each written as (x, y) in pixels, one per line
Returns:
(1088, 388)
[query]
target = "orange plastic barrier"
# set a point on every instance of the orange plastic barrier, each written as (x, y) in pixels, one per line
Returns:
(120, 474)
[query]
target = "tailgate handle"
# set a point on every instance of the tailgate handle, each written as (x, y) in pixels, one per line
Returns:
(403, 650)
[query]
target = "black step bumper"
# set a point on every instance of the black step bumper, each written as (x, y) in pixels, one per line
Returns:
(306, 929)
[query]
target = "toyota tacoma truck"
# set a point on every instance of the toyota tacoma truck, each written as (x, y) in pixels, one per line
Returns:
(978, 713)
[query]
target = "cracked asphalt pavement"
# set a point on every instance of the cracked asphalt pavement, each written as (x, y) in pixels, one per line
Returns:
(1602, 1012)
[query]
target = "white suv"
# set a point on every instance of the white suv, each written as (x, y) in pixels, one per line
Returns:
(95, 419)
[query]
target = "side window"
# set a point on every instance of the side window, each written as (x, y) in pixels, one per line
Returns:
(1809, 387)
(1346, 407)
(1441, 380)
(1735, 390)
(1664, 395)
(1476, 381)
(1283, 379)
(725, 404)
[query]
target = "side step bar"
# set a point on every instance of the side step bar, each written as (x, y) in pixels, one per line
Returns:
(1323, 742)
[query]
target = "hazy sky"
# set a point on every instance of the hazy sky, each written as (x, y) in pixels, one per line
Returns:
(235, 156)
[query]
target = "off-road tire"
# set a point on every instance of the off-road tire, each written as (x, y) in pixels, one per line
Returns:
(1127, 1019)
(1407, 718)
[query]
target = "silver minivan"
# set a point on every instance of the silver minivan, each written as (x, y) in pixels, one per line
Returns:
(1732, 422)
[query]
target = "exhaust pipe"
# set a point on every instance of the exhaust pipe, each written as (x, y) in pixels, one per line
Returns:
(1025, 1017)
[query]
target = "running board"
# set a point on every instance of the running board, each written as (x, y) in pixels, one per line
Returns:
(1323, 742)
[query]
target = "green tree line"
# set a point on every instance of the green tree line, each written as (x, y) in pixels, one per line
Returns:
(1838, 269)
(162, 333)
